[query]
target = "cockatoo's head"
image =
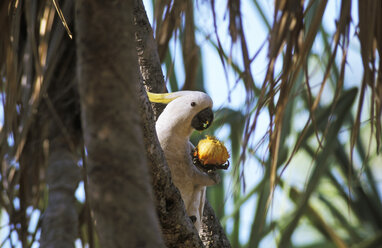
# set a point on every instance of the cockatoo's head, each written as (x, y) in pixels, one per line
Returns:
(185, 110)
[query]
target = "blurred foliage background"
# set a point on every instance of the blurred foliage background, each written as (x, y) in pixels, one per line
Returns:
(297, 87)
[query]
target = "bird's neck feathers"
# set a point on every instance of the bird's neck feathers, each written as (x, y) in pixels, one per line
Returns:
(174, 126)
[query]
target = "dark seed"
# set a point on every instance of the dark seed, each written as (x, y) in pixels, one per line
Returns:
(193, 218)
(169, 204)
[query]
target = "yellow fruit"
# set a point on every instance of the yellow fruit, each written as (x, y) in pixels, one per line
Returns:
(211, 151)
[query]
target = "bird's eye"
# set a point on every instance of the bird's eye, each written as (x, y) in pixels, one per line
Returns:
(193, 104)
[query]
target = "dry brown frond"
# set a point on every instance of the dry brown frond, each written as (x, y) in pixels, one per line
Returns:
(172, 12)
(370, 37)
(236, 30)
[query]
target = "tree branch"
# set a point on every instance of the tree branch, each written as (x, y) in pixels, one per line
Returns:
(177, 228)
(58, 122)
(148, 57)
(60, 219)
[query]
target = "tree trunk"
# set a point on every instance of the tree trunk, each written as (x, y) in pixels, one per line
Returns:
(119, 185)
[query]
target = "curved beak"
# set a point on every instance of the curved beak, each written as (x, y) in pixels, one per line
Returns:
(203, 119)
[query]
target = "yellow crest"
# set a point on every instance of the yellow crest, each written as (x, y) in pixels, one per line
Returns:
(162, 97)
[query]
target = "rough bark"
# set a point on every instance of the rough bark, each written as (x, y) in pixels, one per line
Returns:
(166, 193)
(119, 185)
(148, 57)
(212, 233)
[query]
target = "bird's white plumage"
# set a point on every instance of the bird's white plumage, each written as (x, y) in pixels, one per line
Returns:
(174, 129)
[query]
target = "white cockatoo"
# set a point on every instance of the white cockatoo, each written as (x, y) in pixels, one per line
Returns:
(185, 112)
